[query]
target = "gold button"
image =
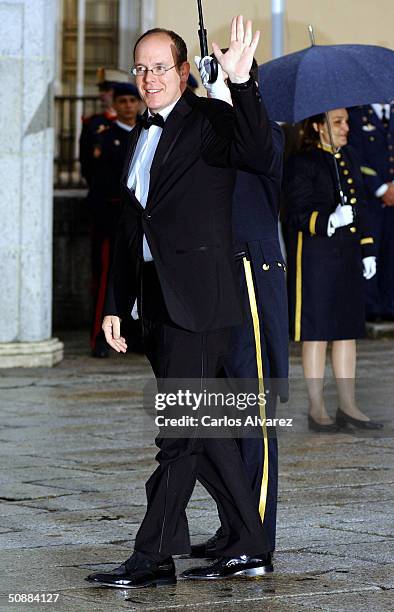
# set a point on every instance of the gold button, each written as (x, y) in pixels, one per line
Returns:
(279, 264)
(353, 230)
(365, 118)
(352, 190)
(370, 111)
(391, 170)
(391, 158)
(266, 267)
(349, 180)
(346, 172)
(353, 200)
(391, 147)
(342, 163)
(338, 155)
(372, 138)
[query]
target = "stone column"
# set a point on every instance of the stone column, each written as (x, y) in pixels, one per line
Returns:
(27, 51)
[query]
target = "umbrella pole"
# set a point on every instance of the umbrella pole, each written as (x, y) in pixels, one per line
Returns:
(311, 35)
(341, 194)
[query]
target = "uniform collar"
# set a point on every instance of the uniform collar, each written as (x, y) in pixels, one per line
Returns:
(328, 148)
(124, 126)
(378, 108)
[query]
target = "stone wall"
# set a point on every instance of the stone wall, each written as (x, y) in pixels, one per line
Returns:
(27, 50)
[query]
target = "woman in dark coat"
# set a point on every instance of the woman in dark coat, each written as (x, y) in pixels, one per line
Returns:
(330, 249)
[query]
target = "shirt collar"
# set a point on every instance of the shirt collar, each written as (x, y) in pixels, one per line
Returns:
(124, 126)
(378, 108)
(166, 110)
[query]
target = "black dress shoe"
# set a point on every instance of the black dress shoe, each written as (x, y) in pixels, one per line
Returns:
(136, 573)
(206, 550)
(344, 420)
(227, 567)
(321, 427)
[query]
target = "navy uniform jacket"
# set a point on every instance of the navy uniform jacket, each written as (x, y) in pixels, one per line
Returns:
(255, 230)
(106, 169)
(92, 128)
(325, 273)
(374, 145)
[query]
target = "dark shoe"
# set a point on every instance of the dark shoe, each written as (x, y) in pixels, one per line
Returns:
(227, 567)
(206, 550)
(136, 573)
(321, 427)
(343, 420)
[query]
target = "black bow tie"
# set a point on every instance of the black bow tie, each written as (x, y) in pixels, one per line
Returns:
(152, 120)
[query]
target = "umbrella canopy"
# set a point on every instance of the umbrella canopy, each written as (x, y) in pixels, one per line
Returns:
(324, 77)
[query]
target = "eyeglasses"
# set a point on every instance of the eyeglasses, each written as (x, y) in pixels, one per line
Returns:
(158, 70)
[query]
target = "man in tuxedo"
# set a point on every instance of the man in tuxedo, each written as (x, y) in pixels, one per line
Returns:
(174, 255)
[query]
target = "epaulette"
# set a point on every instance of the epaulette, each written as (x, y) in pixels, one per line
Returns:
(88, 118)
(368, 171)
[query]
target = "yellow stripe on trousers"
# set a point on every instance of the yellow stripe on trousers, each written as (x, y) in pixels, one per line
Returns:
(260, 375)
(298, 304)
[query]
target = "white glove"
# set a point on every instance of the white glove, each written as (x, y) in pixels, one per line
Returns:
(369, 267)
(218, 89)
(342, 216)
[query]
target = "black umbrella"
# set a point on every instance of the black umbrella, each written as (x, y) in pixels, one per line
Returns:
(202, 35)
(324, 77)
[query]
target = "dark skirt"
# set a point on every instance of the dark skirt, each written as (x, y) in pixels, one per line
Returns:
(326, 287)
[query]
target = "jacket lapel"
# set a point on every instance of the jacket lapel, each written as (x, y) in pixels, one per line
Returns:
(172, 129)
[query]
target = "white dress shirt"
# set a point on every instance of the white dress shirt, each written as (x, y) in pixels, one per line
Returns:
(139, 172)
(378, 108)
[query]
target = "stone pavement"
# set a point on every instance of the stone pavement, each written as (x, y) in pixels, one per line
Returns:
(76, 448)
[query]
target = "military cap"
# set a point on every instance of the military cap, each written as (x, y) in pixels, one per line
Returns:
(125, 89)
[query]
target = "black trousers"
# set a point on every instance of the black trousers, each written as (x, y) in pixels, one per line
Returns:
(177, 353)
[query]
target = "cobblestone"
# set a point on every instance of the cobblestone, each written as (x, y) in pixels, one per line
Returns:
(76, 449)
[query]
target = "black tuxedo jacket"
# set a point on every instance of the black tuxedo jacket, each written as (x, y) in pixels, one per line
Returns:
(187, 220)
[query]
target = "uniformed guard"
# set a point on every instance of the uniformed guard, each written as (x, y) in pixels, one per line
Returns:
(330, 249)
(259, 347)
(94, 125)
(104, 198)
(372, 134)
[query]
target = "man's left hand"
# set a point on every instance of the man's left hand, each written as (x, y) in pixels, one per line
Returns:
(237, 61)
